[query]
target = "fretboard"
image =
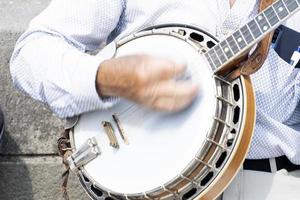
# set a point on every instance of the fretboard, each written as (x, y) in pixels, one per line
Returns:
(251, 33)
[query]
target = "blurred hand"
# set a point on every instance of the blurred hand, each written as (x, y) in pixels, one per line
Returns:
(146, 80)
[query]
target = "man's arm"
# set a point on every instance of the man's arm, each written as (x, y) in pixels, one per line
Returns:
(49, 62)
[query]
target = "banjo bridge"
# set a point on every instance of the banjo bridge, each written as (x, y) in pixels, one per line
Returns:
(109, 130)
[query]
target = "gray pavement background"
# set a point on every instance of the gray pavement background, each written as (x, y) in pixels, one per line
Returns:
(29, 165)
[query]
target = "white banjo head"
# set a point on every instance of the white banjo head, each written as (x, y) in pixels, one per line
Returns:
(184, 155)
(160, 144)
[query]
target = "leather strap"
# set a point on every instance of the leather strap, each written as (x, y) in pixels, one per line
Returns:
(258, 57)
(65, 150)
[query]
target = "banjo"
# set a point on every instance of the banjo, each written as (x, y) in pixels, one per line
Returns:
(131, 152)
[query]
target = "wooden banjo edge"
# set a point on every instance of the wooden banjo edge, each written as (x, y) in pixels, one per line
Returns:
(239, 154)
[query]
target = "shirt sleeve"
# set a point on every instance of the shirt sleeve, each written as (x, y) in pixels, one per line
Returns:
(49, 61)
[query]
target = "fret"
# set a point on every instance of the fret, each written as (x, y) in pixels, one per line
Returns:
(271, 16)
(266, 20)
(252, 31)
(214, 58)
(210, 61)
(275, 12)
(268, 23)
(254, 28)
(226, 49)
(220, 54)
(239, 39)
(285, 6)
(262, 22)
(291, 5)
(246, 33)
(280, 9)
(233, 45)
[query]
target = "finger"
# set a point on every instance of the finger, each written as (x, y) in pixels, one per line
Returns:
(158, 69)
(172, 96)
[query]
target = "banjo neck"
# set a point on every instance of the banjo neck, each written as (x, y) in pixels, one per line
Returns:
(251, 33)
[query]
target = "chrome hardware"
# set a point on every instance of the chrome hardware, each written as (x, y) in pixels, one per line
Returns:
(191, 180)
(70, 122)
(222, 122)
(204, 163)
(175, 194)
(222, 80)
(217, 144)
(181, 32)
(83, 155)
(146, 196)
(224, 100)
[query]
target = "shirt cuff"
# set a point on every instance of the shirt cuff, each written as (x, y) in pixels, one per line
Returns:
(83, 80)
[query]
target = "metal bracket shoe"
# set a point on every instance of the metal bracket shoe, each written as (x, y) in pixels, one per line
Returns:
(84, 154)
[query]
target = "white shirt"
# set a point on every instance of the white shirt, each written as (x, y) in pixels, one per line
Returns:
(50, 64)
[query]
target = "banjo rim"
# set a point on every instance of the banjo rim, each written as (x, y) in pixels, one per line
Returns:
(243, 145)
(219, 183)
